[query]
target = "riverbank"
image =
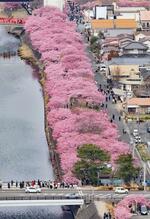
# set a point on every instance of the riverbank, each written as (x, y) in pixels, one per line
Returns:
(26, 53)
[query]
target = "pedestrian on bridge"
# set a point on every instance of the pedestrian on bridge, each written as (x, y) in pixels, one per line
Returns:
(8, 185)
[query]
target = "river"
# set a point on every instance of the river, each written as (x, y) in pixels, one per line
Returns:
(23, 146)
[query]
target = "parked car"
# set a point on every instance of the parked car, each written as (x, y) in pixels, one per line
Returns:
(102, 67)
(135, 132)
(33, 189)
(148, 129)
(143, 210)
(121, 190)
(138, 139)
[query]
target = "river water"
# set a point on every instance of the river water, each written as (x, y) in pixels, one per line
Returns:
(23, 146)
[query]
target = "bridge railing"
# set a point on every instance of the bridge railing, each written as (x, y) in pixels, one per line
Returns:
(36, 197)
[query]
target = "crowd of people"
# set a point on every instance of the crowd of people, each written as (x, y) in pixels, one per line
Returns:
(41, 184)
(74, 12)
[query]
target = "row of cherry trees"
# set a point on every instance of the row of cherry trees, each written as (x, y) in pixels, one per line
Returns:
(73, 99)
(123, 208)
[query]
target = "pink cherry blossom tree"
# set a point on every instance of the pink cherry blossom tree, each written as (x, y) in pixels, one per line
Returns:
(123, 208)
(71, 90)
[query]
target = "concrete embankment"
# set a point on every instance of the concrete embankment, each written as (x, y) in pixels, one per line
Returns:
(88, 212)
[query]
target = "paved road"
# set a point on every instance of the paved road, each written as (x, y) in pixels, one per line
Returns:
(142, 127)
(63, 192)
(112, 110)
(100, 79)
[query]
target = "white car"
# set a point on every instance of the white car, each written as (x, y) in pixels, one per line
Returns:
(135, 132)
(33, 189)
(103, 68)
(121, 190)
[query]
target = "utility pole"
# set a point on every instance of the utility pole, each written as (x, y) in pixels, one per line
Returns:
(144, 175)
(133, 149)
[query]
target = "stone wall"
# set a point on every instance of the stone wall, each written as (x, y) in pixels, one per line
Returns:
(88, 212)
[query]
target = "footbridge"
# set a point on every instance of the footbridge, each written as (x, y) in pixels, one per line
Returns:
(13, 198)
(61, 196)
(41, 202)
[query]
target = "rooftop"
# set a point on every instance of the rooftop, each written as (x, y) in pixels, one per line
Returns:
(130, 60)
(145, 15)
(96, 24)
(135, 45)
(139, 101)
(110, 24)
(124, 70)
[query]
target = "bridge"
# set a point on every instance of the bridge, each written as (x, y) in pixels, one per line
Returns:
(60, 196)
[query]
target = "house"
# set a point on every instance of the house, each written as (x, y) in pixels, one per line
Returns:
(127, 15)
(115, 24)
(138, 106)
(127, 76)
(134, 47)
(145, 20)
(109, 5)
(146, 42)
(123, 71)
(141, 34)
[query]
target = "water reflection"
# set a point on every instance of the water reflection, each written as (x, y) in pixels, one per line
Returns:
(23, 145)
(35, 213)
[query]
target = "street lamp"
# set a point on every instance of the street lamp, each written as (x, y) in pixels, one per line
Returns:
(132, 142)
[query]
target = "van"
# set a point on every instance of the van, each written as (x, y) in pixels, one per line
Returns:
(148, 144)
(135, 132)
(121, 190)
(143, 210)
(148, 129)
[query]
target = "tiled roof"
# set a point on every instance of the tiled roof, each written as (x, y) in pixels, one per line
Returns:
(96, 24)
(123, 70)
(106, 2)
(139, 101)
(125, 23)
(135, 45)
(145, 15)
(117, 23)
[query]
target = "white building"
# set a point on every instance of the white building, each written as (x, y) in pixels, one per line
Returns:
(57, 3)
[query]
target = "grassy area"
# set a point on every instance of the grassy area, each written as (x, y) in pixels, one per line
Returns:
(142, 149)
(25, 52)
